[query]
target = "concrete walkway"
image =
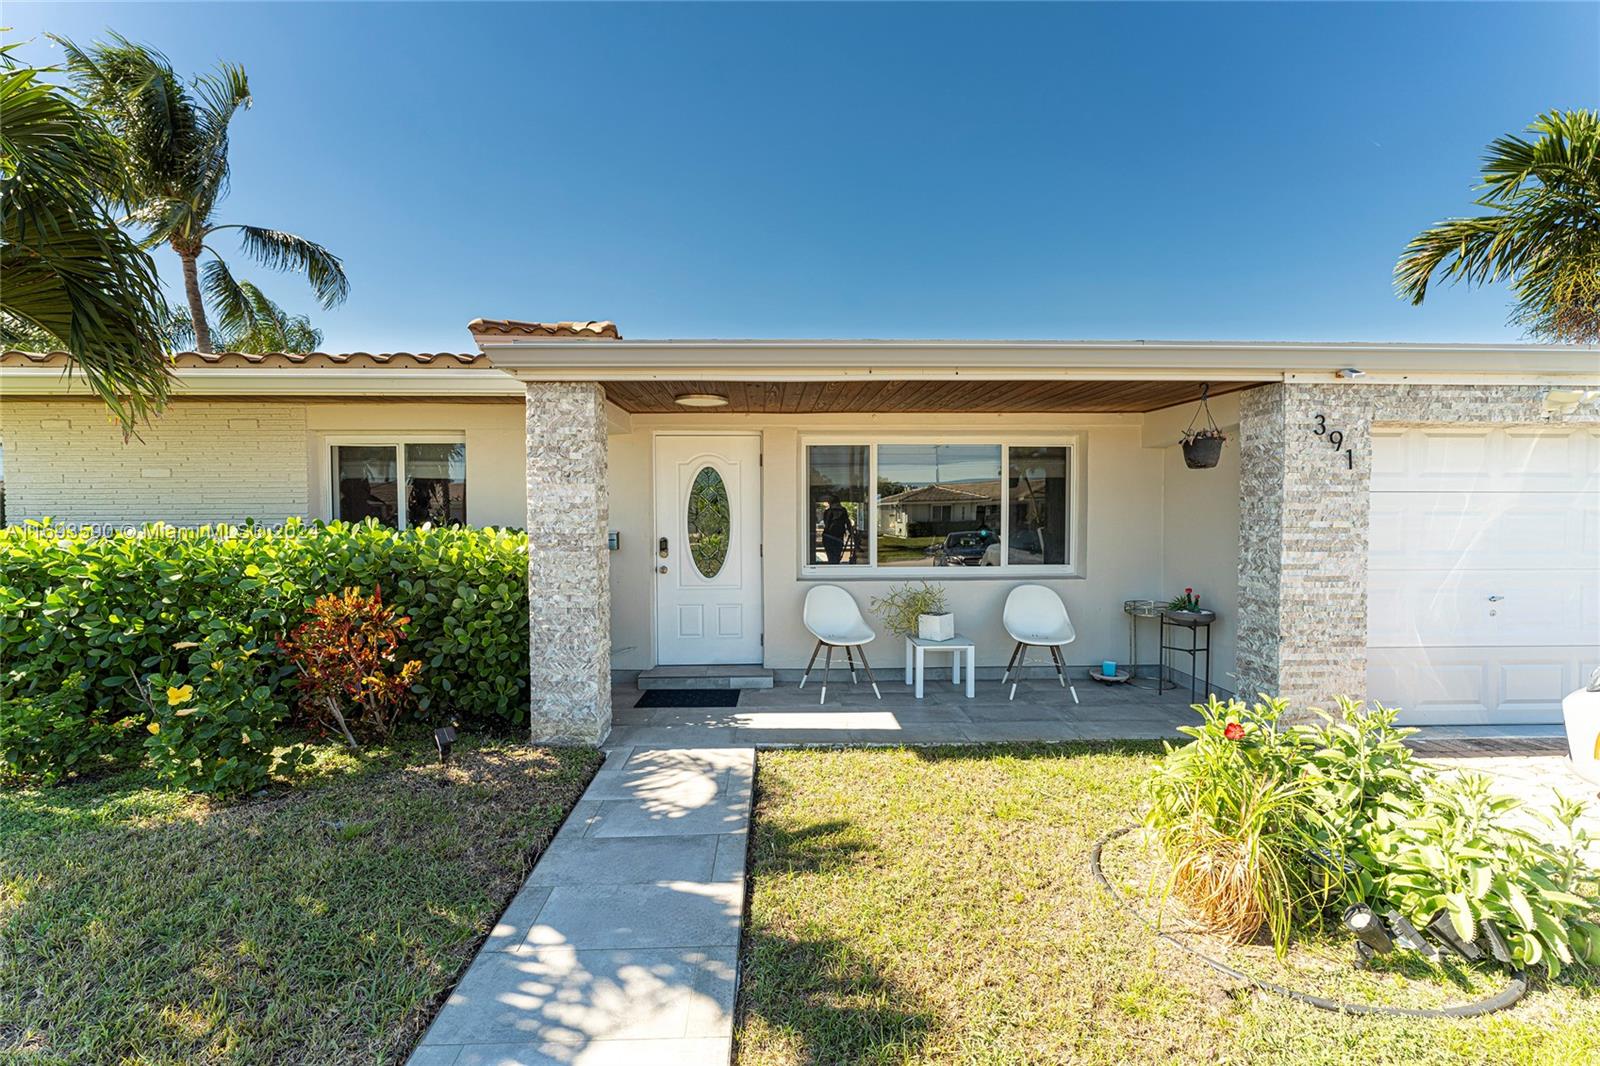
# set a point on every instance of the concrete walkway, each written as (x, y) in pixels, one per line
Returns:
(622, 947)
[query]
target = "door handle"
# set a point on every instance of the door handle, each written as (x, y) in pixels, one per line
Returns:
(1496, 599)
(661, 569)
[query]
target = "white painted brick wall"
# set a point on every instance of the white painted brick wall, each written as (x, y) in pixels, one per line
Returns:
(194, 464)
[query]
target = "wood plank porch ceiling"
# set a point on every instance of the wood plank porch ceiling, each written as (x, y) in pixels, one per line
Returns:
(913, 397)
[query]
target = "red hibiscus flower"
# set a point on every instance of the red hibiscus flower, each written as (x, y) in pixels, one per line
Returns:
(1233, 730)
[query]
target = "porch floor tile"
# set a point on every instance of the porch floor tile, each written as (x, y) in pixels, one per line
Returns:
(788, 716)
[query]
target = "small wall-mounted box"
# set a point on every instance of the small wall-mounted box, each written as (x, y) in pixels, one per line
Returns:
(613, 540)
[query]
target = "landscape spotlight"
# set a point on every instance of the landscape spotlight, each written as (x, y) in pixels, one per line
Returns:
(1444, 930)
(1369, 932)
(1497, 943)
(1406, 935)
(446, 739)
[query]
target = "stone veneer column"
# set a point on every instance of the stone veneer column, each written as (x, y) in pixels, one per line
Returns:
(1303, 543)
(569, 599)
(1303, 518)
(1260, 538)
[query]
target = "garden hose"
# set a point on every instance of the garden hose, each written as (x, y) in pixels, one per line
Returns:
(1513, 991)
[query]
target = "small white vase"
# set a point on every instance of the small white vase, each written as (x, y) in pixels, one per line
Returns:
(936, 626)
(1581, 714)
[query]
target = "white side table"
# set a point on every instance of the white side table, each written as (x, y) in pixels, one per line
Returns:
(916, 654)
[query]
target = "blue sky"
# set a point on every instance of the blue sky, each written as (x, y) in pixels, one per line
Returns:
(909, 170)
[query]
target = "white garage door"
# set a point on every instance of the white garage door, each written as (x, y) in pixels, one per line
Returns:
(1483, 572)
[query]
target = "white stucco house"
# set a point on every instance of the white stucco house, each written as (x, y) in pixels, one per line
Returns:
(1417, 523)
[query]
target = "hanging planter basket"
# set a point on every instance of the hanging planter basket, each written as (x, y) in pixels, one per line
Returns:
(1202, 453)
(1202, 447)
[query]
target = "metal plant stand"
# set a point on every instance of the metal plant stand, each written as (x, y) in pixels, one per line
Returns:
(1135, 610)
(1194, 623)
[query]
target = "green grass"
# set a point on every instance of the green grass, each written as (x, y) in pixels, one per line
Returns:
(315, 924)
(936, 906)
(904, 549)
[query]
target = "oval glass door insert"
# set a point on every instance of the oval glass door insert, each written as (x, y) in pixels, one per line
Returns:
(708, 522)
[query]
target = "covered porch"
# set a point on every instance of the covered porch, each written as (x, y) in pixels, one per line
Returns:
(786, 715)
(979, 466)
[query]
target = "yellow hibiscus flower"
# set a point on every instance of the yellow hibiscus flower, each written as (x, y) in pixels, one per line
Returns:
(181, 694)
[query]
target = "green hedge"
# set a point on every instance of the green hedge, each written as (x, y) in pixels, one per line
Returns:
(111, 608)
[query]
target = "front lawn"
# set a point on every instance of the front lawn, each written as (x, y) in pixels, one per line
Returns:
(318, 924)
(936, 906)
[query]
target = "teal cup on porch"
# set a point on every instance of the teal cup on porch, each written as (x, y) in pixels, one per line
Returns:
(1108, 669)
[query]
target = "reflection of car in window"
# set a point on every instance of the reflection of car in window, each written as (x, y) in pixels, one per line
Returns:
(1027, 547)
(962, 549)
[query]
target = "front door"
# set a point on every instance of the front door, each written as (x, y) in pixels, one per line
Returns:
(708, 548)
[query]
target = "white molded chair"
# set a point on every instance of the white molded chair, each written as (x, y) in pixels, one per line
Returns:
(834, 619)
(1036, 618)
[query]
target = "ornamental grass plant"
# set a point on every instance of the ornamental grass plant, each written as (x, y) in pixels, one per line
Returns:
(1238, 824)
(1262, 825)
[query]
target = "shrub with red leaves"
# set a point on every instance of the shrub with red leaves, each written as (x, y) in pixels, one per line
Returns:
(350, 674)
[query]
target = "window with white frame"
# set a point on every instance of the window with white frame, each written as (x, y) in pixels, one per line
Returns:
(907, 504)
(399, 483)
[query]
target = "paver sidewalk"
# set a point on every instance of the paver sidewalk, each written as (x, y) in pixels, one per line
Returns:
(622, 947)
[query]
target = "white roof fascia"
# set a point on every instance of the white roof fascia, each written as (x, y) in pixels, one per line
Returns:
(286, 381)
(811, 360)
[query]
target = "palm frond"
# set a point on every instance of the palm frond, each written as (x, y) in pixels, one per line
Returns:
(221, 96)
(150, 109)
(71, 273)
(249, 321)
(1542, 234)
(277, 250)
(226, 296)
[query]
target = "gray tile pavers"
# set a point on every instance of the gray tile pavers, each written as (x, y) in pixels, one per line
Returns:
(569, 997)
(512, 928)
(628, 860)
(787, 716)
(729, 864)
(636, 818)
(622, 947)
(665, 914)
(675, 1052)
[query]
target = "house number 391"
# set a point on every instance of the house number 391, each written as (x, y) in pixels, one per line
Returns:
(1335, 438)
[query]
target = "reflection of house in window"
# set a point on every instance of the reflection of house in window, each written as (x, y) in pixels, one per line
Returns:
(934, 510)
(940, 504)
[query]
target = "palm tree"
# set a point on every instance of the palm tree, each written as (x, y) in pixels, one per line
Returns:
(176, 136)
(73, 278)
(1542, 233)
(268, 329)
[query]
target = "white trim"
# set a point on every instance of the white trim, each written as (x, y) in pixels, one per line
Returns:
(1216, 361)
(1076, 523)
(326, 442)
(440, 384)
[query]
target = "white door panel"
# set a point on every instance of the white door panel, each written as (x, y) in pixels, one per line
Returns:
(1485, 530)
(1466, 459)
(1453, 608)
(708, 605)
(1474, 686)
(1463, 514)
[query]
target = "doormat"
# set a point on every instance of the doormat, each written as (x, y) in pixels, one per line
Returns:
(689, 697)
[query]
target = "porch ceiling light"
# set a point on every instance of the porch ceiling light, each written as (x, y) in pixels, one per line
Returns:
(700, 399)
